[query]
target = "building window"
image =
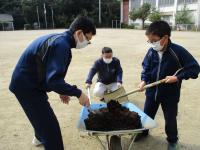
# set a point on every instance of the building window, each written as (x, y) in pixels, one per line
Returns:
(163, 3)
(187, 1)
(168, 19)
(152, 2)
(135, 4)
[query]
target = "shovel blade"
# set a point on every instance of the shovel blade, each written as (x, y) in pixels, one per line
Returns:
(114, 94)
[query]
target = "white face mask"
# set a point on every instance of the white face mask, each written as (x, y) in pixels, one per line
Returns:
(156, 46)
(82, 44)
(107, 60)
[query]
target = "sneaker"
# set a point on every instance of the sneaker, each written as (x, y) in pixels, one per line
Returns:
(172, 146)
(141, 136)
(36, 142)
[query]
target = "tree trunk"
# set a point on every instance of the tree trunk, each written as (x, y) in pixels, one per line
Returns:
(143, 24)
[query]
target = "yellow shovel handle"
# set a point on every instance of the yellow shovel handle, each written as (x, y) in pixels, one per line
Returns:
(145, 87)
(149, 85)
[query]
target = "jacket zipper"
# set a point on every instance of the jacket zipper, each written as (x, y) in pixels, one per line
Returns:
(107, 68)
(158, 75)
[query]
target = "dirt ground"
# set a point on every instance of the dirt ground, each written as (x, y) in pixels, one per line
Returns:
(130, 47)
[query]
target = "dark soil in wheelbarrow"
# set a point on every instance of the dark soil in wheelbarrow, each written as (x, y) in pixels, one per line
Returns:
(114, 117)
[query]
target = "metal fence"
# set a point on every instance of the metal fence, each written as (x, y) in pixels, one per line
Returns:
(186, 27)
(116, 24)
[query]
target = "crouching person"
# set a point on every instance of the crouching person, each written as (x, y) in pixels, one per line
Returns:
(109, 73)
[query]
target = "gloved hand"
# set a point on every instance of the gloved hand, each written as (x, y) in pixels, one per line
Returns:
(119, 84)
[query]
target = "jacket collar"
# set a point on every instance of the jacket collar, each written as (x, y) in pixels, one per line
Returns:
(70, 38)
(168, 45)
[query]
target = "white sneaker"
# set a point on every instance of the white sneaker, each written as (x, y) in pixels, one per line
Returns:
(36, 142)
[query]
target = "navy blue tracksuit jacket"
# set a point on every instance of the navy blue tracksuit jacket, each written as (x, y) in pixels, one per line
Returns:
(43, 65)
(174, 58)
(107, 73)
(42, 68)
(167, 95)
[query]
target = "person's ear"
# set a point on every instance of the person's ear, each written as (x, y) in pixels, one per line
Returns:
(164, 40)
(78, 35)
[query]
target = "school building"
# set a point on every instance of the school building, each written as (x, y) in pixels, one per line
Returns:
(167, 8)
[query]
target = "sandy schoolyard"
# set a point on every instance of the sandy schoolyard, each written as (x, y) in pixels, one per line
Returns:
(130, 47)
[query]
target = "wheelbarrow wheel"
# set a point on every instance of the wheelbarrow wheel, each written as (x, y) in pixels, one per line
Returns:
(115, 143)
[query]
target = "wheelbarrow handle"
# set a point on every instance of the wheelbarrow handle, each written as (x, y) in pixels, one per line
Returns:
(89, 97)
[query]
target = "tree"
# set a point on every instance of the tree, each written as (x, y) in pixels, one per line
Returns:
(141, 13)
(110, 11)
(14, 8)
(183, 16)
(155, 15)
(25, 12)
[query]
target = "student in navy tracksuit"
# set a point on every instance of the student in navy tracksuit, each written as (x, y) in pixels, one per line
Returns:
(41, 69)
(162, 61)
(109, 73)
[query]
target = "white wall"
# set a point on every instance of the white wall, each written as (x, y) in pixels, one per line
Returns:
(170, 11)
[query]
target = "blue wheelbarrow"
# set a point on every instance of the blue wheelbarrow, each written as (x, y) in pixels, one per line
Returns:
(113, 138)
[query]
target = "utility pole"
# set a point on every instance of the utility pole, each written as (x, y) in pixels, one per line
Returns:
(99, 11)
(38, 17)
(45, 15)
(52, 17)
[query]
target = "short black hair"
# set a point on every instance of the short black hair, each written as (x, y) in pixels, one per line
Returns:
(159, 28)
(83, 23)
(106, 50)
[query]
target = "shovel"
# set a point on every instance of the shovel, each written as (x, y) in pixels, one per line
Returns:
(118, 98)
(89, 97)
(145, 87)
(121, 97)
(97, 112)
(112, 95)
